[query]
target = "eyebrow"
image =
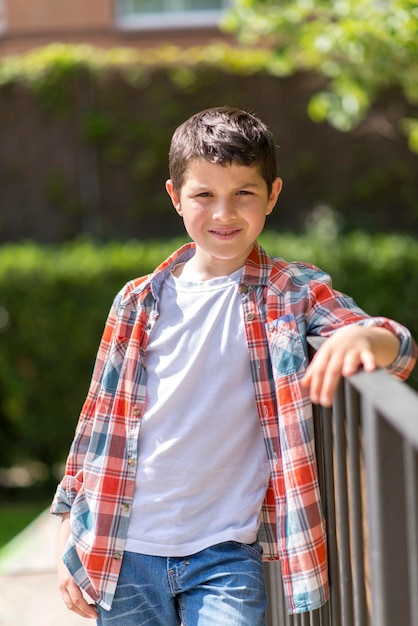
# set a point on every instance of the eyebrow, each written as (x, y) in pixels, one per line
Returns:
(249, 184)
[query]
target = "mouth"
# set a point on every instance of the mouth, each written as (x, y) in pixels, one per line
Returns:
(224, 233)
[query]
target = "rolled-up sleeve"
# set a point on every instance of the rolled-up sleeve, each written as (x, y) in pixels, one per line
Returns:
(404, 363)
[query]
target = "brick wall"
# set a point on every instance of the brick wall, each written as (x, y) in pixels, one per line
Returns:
(31, 24)
(56, 182)
(29, 17)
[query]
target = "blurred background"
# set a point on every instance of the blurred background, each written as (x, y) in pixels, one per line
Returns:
(90, 93)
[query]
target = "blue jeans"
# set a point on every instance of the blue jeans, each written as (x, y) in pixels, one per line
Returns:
(220, 586)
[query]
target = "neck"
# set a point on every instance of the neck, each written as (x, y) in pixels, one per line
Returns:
(196, 272)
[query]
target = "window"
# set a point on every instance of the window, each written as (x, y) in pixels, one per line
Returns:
(168, 13)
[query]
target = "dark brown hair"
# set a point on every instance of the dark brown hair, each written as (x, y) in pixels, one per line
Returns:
(223, 135)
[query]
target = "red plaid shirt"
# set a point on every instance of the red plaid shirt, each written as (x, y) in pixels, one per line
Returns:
(282, 303)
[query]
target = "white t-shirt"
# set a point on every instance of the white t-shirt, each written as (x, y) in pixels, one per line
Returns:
(202, 467)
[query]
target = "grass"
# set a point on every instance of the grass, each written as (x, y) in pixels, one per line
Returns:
(15, 517)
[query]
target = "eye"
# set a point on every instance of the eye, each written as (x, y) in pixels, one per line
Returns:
(203, 194)
(244, 192)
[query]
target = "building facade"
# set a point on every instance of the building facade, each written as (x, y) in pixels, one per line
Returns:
(27, 24)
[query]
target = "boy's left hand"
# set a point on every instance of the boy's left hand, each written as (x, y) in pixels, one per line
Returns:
(350, 348)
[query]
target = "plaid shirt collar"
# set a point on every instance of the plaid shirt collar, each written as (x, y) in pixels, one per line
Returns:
(257, 270)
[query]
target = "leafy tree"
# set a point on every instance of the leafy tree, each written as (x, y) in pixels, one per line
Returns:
(362, 48)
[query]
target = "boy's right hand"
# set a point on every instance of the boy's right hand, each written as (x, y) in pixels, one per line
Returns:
(70, 592)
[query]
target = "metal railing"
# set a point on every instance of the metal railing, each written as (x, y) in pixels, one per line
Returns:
(367, 451)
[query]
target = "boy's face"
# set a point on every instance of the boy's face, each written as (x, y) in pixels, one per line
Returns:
(224, 210)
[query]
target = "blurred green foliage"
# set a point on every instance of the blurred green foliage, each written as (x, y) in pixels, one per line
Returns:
(362, 48)
(43, 69)
(54, 301)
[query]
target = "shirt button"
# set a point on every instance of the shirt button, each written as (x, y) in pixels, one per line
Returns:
(136, 412)
(250, 317)
(117, 556)
(243, 289)
(131, 461)
(125, 507)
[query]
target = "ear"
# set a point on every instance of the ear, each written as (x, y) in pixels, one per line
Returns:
(175, 198)
(275, 192)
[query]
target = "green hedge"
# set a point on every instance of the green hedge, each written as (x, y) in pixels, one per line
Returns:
(54, 301)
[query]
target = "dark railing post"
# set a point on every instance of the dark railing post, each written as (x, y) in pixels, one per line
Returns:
(387, 522)
(342, 517)
(354, 456)
(411, 470)
(330, 515)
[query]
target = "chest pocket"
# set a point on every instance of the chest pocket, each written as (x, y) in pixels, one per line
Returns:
(286, 347)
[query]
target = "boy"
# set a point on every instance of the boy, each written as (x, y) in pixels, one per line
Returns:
(195, 442)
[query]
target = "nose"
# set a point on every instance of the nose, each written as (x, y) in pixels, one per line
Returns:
(224, 211)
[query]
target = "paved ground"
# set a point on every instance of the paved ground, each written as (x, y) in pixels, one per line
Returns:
(28, 590)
